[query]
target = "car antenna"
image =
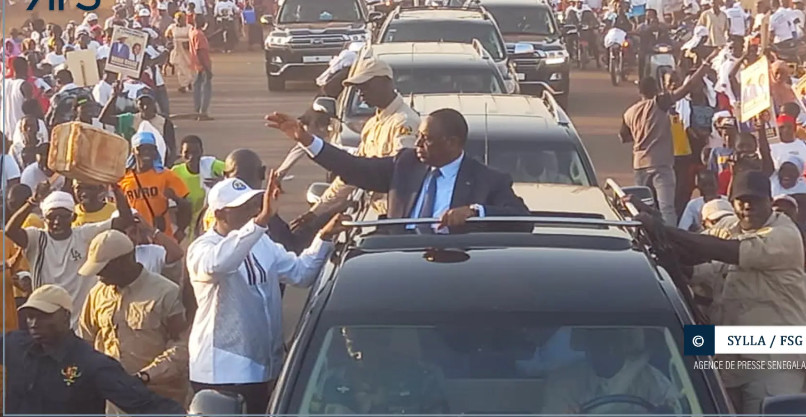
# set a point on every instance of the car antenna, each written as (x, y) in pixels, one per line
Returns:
(411, 93)
(486, 138)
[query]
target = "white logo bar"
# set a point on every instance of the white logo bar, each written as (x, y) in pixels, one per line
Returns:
(775, 340)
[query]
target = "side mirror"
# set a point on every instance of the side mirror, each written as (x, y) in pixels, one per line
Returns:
(375, 16)
(315, 191)
(326, 105)
(644, 193)
(784, 404)
(524, 49)
(266, 19)
(211, 402)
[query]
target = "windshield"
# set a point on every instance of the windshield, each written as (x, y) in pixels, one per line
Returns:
(314, 11)
(435, 81)
(533, 162)
(524, 20)
(495, 370)
(452, 31)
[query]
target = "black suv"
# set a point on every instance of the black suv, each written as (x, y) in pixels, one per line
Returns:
(532, 22)
(449, 24)
(419, 68)
(307, 34)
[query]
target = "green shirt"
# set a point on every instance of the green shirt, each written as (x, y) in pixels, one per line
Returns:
(194, 184)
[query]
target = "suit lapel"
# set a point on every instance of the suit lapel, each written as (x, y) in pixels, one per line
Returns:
(463, 188)
(414, 184)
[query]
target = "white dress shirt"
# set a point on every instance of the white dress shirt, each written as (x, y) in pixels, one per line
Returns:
(236, 336)
(781, 25)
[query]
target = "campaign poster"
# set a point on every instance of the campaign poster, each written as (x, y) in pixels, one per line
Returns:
(755, 89)
(84, 67)
(127, 51)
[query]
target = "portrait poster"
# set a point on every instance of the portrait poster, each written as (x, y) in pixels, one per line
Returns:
(755, 89)
(127, 51)
(84, 67)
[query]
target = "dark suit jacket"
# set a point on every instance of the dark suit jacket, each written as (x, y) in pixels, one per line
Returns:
(402, 178)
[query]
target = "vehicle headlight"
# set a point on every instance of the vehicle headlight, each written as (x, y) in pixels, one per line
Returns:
(556, 57)
(361, 37)
(541, 54)
(277, 40)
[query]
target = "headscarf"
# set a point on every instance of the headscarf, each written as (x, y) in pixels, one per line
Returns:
(781, 91)
(144, 138)
(800, 185)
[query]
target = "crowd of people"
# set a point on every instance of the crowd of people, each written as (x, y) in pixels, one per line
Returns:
(742, 234)
(172, 270)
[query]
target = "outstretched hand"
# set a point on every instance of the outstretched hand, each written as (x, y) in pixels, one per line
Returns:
(290, 126)
(269, 208)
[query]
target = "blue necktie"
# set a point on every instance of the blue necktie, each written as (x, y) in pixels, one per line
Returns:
(427, 209)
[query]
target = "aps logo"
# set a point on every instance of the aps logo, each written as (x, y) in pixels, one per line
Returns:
(60, 5)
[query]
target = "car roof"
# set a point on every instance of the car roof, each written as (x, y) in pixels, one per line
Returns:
(534, 279)
(419, 54)
(508, 116)
(533, 3)
(441, 13)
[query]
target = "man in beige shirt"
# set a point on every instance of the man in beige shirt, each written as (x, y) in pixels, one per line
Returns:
(136, 317)
(765, 282)
(392, 128)
(716, 21)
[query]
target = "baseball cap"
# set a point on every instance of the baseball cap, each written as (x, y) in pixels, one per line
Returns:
(144, 12)
(57, 199)
(90, 17)
(751, 184)
(232, 192)
(49, 299)
(716, 209)
(785, 197)
(367, 69)
(105, 247)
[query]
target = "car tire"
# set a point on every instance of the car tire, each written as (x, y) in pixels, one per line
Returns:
(276, 83)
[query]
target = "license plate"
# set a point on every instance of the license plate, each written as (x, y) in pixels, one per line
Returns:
(318, 58)
(521, 76)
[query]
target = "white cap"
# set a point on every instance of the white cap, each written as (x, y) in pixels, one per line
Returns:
(144, 12)
(232, 192)
(162, 6)
(90, 16)
(56, 200)
(717, 209)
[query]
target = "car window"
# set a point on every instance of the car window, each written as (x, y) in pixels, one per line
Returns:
(530, 162)
(480, 80)
(496, 370)
(313, 11)
(448, 31)
(524, 20)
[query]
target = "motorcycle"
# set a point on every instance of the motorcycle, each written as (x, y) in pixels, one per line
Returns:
(616, 43)
(661, 62)
(792, 52)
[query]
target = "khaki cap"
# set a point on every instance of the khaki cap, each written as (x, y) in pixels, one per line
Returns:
(106, 246)
(49, 299)
(367, 69)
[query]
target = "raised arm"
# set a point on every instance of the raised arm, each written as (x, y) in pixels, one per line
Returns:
(13, 228)
(684, 89)
(109, 113)
(125, 217)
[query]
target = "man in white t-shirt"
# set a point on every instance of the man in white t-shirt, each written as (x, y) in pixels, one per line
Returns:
(789, 145)
(798, 16)
(56, 253)
(781, 27)
(691, 220)
(737, 19)
(35, 174)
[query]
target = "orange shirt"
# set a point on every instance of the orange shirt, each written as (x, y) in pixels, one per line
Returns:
(199, 41)
(152, 194)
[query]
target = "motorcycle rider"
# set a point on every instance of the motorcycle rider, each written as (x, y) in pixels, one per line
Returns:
(651, 33)
(617, 27)
(582, 16)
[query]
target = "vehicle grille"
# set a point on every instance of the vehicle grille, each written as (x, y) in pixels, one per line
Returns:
(335, 41)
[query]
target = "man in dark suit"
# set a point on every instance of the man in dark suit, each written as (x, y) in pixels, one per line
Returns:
(435, 179)
(119, 48)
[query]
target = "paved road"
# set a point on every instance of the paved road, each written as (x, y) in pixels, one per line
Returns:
(240, 100)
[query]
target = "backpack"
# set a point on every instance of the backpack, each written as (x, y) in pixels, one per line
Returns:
(63, 103)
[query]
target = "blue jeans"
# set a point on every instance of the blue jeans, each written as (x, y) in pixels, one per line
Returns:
(662, 179)
(202, 91)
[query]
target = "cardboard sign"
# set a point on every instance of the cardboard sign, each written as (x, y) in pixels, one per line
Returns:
(127, 52)
(84, 67)
(755, 89)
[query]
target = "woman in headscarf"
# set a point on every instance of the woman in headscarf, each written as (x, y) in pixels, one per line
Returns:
(788, 180)
(781, 84)
(179, 33)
